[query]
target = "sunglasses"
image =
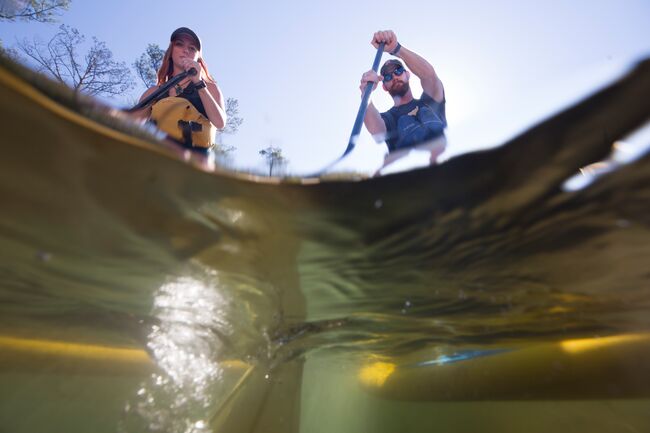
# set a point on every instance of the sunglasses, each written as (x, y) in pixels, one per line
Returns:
(397, 72)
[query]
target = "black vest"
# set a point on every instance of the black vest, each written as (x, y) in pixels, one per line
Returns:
(416, 122)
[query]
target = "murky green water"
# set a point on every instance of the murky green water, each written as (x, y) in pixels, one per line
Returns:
(142, 293)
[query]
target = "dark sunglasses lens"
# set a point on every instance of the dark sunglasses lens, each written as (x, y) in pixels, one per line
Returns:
(397, 72)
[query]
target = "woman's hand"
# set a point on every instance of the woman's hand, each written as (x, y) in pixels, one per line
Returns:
(188, 64)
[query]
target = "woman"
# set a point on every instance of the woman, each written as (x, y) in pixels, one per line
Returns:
(193, 125)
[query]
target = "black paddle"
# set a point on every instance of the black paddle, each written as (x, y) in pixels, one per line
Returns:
(356, 129)
(162, 90)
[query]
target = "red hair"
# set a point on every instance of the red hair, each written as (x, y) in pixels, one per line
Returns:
(166, 70)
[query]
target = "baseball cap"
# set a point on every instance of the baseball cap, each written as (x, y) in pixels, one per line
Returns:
(188, 32)
(390, 66)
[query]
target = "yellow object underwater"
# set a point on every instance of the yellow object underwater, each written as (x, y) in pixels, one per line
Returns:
(183, 122)
(25, 354)
(30, 354)
(589, 368)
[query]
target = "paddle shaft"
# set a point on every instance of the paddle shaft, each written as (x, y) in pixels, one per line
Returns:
(356, 129)
(162, 90)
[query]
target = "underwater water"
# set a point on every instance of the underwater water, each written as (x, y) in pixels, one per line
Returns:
(142, 291)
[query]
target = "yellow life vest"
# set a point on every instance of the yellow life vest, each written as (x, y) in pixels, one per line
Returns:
(182, 121)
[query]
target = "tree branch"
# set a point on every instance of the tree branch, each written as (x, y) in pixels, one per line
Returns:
(95, 74)
(43, 11)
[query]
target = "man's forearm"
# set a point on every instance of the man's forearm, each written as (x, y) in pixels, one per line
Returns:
(431, 84)
(417, 64)
(374, 123)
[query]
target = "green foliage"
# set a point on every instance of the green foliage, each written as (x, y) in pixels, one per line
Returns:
(44, 11)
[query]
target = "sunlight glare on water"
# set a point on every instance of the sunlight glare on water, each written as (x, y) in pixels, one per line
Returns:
(187, 351)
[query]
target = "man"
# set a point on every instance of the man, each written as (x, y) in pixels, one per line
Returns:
(411, 123)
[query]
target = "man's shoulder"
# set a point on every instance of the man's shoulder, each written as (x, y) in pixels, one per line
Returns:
(425, 97)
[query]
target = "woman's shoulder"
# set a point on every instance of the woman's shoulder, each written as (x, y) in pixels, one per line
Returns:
(148, 92)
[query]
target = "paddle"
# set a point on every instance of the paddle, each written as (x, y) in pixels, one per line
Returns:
(162, 90)
(356, 129)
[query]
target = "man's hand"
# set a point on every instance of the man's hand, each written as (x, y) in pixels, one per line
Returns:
(388, 37)
(369, 77)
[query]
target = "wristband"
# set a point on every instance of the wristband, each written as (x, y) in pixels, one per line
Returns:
(396, 50)
(199, 85)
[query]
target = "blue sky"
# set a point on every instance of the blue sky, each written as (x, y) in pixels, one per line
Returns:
(295, 66)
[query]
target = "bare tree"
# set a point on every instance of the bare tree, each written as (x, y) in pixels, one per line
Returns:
(148, 63)
(95, 73)
(274, 158)
(44, 11)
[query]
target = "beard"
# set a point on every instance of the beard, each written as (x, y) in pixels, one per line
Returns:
(399, 89)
